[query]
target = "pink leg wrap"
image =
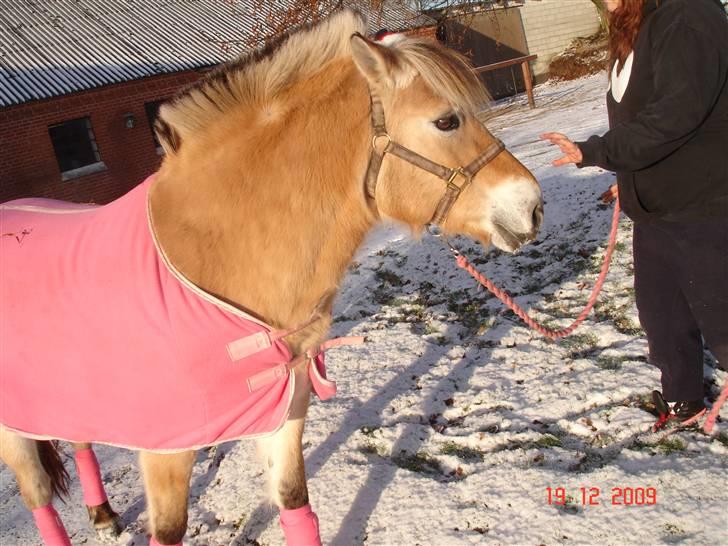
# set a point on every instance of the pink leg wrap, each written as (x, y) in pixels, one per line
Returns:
(301, 527)
(50, 526)
(153, 542)
(90, 476)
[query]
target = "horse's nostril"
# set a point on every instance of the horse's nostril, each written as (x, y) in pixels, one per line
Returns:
(537, 216)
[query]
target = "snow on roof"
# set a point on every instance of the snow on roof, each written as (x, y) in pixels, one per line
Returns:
(54, 47)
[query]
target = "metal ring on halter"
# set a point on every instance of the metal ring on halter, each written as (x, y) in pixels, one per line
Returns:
(381, 135)
(436, 231)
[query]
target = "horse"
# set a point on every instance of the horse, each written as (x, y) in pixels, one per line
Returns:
(276, 166)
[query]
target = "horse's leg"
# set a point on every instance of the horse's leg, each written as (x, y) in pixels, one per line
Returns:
(23, 457)
(283, 455)
(100, 513)
(167, 484)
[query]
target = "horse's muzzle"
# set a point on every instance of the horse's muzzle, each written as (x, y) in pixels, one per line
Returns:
(508, 238)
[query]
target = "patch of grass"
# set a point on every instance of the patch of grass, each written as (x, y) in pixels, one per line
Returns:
(388, 253)
(602, 440)
(578, 265)
(430, 329)
(671, 444)
(238, 523)
(580, 341)
(400, 302)
(372, 448)
(672, 530)
(610, 362)
(471, 313)
(406, 312)
(639, 445)
(560, 309)
(389, 277)
(570, 506)
(369, 430)
(382, 296)
(595, 263)
(723, 438)
(641, 401)
(486, 325)
(548, 441)
(551, 324)
(419, 462)
(628, 327)
(462, 452)
(607, 311)
(591, 460)
(532, 287)
(618, 315)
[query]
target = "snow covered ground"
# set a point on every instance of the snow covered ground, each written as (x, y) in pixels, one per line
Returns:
(452, 424)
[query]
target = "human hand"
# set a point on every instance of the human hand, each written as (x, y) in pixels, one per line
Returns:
(571, 150)
(610, 195)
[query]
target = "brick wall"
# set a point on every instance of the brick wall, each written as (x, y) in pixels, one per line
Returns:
(28, 165)
(550, 25)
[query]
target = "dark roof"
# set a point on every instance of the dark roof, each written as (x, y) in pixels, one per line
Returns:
(54, 47)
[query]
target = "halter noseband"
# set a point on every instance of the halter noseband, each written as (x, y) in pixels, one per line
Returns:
(452, 191)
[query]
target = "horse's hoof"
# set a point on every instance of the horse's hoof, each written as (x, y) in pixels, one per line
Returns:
(106, 522)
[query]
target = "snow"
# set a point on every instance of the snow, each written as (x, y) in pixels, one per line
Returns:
(452, 422)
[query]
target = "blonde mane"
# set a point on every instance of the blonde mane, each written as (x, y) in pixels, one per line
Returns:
(444, 71)
(259, 78)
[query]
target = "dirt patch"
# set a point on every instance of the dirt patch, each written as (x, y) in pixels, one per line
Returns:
(583, 57)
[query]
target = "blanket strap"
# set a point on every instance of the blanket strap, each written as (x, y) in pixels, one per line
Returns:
(322, 386)
(254, 343)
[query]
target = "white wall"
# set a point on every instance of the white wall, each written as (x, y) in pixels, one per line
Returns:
(550, 25)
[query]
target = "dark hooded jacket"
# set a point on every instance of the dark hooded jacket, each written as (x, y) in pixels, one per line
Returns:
(668, 137)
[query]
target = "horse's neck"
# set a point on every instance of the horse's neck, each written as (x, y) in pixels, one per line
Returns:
(269, 218)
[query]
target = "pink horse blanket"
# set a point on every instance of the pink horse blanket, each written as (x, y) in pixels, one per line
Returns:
(102, 340)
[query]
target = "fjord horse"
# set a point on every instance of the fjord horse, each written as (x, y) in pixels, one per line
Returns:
(276, 167)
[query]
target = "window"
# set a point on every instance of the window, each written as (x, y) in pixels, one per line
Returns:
(152, 110)
(75, 147)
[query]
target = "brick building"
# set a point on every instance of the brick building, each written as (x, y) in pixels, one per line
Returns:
(81, 82)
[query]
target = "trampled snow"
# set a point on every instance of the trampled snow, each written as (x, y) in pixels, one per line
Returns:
(455, 423)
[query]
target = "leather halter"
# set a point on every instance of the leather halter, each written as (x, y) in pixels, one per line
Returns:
(453, 189)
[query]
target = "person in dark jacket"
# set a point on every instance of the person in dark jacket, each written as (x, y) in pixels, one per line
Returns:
(668, 144)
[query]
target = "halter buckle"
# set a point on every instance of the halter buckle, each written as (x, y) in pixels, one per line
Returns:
(451, 181)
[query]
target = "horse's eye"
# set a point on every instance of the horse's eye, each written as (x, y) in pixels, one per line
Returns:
(448, 123)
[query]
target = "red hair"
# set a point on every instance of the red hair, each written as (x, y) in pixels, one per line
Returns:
(624, 25)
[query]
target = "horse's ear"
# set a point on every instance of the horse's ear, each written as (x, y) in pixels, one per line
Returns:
(376, 62)
(167, 136)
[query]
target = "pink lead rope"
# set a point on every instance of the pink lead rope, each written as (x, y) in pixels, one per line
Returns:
(463, 262)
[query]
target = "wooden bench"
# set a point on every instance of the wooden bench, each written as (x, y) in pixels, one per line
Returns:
(523, 61)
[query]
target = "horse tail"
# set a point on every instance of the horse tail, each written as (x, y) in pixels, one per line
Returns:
(53, 465)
